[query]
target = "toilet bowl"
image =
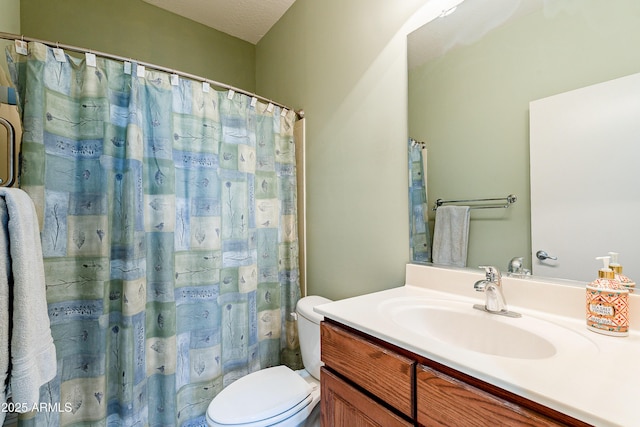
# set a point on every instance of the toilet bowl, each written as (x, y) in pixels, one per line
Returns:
(276, 396)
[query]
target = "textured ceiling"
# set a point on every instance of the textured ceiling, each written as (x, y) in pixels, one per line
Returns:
(248, 20)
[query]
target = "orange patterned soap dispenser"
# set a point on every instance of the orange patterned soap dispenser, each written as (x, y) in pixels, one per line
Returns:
(617, 270)
(607, 303)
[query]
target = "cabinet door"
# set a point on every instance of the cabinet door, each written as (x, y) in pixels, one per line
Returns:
(446, 401)
(570, 134)
(345, 406)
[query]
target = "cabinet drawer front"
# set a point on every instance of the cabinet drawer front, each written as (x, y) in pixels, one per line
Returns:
(437, 392)
(344, 406)
(382, 372)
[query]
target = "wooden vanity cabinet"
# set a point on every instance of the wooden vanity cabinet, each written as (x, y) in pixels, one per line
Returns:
(368, 382)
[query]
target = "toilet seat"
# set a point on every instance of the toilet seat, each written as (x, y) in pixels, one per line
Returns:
(261, 398)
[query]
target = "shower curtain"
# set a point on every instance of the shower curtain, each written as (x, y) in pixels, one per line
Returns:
(419, 235)
(168, 225)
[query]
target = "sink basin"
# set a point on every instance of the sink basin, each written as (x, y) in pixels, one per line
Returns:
(458, 324)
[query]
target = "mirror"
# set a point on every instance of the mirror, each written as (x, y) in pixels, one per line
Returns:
(472, 75)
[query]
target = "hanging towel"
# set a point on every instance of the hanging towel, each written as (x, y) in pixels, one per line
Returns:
(5, 269)
(31, 350)
(451, 236)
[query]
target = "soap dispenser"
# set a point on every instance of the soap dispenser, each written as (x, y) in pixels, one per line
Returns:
(617, 269)
(607, 303)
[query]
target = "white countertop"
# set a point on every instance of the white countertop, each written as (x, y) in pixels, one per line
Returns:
(598, 383)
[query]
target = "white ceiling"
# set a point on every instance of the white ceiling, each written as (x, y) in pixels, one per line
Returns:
(248, 20)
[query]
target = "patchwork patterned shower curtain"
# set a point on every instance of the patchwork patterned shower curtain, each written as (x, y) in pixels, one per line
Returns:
(419, 235)
(168, 224)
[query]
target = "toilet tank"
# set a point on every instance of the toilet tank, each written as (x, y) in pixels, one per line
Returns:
(309, 332)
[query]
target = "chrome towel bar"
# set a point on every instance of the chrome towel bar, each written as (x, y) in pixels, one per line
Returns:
(506, 202)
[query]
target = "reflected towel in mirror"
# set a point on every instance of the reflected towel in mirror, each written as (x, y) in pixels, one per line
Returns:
(451, 236)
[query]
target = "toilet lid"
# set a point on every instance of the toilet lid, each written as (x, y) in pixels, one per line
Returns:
(258, 396)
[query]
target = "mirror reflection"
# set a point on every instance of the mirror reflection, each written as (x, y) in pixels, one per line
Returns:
(472, 77)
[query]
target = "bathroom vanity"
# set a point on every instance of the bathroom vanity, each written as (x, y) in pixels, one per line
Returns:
(422, 355)
(369, 382)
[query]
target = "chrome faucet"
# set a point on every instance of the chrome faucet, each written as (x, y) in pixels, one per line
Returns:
(492, 287)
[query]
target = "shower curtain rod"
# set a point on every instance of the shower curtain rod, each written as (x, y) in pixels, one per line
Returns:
(13, 37)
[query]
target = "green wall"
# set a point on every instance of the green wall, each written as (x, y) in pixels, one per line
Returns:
(135, 29)
(9, 23)
(471, 106)
(344, 62)
(10, 16)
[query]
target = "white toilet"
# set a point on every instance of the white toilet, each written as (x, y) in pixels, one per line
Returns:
(276, 396)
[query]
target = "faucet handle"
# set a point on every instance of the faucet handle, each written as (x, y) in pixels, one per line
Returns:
(515, 265)
(493, 274)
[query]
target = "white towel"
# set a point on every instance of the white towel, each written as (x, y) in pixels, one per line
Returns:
(5, 269)
(32, 352)
(451, 236)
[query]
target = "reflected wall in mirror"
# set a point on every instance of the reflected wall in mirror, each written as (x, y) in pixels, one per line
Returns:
(472, 75)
